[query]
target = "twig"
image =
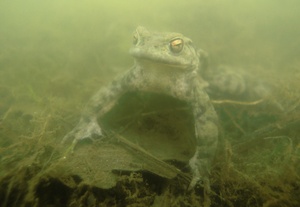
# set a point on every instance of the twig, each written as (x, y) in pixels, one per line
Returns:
(237, 102)
(152, 160)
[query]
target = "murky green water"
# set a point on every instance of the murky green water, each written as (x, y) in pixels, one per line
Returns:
(55, 54)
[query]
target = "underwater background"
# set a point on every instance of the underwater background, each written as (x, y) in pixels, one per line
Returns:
(54, 55)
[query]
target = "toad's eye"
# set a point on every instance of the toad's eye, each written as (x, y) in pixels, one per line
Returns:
(135, 38)
(176, 45)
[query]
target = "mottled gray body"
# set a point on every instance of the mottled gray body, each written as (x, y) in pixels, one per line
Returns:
(165, 63)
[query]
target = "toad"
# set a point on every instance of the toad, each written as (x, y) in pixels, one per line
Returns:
(165, 63)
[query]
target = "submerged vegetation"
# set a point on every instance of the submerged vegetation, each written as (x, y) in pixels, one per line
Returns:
(55, 55)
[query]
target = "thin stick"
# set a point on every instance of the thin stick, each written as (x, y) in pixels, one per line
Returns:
(237, 102)
(147, 157)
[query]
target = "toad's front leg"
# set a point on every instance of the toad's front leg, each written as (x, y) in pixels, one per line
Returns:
(206, 137)
(98, 105)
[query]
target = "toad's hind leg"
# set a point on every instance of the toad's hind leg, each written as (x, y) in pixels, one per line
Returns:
(206, 131)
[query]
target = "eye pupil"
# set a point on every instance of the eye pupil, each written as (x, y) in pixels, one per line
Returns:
(176, 45)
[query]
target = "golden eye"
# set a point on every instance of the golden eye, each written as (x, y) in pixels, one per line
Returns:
(176, 45)
(135, 38)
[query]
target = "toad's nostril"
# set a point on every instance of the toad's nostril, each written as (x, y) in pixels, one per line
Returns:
(135, 39)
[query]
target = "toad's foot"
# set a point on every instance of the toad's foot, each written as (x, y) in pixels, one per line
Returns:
(200, 171)
(83, 130)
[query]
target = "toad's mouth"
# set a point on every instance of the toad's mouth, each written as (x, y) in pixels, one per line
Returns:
(145, 59)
